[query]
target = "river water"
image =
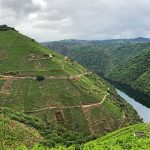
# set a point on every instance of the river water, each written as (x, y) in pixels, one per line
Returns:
(138, 103)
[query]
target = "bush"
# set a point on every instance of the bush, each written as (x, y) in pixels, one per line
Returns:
(33, 40)
(6, 28)
(45, 55)
(40, 78)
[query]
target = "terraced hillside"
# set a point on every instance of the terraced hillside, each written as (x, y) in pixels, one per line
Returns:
(99, 56)
(37, 81)
(135, 72)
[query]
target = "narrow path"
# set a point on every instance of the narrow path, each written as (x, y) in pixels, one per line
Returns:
(37, 59)
(4, 77)
(72, 107)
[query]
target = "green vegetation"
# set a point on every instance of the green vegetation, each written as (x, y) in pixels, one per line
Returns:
(99, 56)
(70, 106)
(5, 28)
(135, 137)
(14, 133)
(134, 72)
(17, 129)
(66, 84)
(40, 78)
(114, 59)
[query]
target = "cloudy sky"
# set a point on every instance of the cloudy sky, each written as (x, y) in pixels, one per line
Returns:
(49, 20)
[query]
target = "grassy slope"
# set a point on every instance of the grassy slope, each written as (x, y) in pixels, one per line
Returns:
(134, 72)
(15, 50)
(51, 133)
(118, 140)
(123, 139)
(27, 95)
(14, 133)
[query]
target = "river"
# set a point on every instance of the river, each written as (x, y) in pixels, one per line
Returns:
(142, 109)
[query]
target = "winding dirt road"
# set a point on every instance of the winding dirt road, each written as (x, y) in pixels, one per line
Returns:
(4, 77)
(72, 107)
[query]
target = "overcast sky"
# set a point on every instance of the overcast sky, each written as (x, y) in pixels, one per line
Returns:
(49, 20)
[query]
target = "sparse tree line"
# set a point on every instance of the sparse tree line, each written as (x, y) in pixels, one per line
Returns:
(5, 28)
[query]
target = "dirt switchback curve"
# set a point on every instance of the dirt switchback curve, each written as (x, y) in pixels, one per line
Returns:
(72, 107)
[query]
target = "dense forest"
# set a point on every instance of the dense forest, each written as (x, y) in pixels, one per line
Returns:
(135, 72)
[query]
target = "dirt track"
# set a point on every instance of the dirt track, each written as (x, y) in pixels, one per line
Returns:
(5, 77)
(9, 78)
(72, 107)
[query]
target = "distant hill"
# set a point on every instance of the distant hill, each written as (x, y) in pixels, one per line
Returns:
(100, 56)
(102, 42)
(135, 72)
(42, 83)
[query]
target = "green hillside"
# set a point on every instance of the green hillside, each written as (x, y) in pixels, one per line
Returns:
(14, 134)
(95, 58)
(18, 129)
(135, 72)
(99, 56)
(135, 137)
(39, 82)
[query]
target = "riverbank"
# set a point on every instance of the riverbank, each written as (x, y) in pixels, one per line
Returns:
(136, 95)
(139, 101)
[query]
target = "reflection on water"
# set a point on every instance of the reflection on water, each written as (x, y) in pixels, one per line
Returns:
(142, 110)
(137, 96)
(139, 101)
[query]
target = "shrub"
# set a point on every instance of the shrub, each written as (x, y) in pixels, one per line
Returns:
(45, 55)
(40, 78)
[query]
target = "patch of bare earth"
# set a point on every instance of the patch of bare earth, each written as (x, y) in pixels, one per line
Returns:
(87, 114)
(7, 86)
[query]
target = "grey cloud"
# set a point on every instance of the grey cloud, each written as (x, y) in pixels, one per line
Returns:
(83, 19)
(19, 7)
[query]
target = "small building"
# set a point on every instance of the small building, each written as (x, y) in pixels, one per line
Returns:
(50, 56)
(67, 58)
(138, 134)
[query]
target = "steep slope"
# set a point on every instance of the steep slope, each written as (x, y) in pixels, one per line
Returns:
(95, 58)
(133, 137)
(14, 133)
(135, 72)
(99, 56)
(19, 129)
(40, 82)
